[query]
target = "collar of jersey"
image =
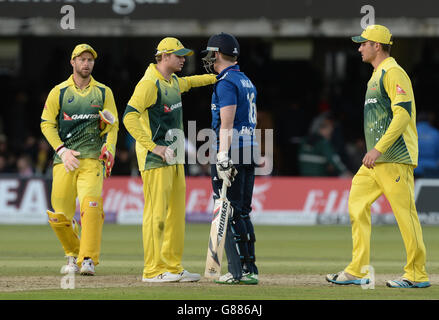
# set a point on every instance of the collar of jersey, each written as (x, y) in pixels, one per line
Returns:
(159, 75)
(70, 82)
(382, 63)
(234, 67)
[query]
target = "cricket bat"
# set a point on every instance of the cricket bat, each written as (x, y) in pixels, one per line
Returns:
(217, 238)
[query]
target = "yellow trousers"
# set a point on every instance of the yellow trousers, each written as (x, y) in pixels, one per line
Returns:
(396, 182)
(85, 183)
(163, 219)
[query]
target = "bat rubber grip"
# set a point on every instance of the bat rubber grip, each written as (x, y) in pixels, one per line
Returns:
(224, 191)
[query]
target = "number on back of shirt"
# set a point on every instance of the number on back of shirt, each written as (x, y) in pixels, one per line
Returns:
(252, 108)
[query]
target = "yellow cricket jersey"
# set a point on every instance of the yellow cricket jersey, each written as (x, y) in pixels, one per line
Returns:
(156, 107)
(71, 118)
(390, 114)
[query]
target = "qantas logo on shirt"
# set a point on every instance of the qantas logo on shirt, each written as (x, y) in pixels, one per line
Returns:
(66, 117)
(167, 109)
(399, 90)
(371, 100)
(80, 116)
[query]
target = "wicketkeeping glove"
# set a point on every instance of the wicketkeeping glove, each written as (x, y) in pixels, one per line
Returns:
(225, 169)
(107, 119)
(107, 155)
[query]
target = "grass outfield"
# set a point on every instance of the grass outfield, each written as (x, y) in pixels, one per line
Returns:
(292, 261)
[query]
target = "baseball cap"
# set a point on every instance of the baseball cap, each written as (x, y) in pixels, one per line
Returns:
(172, 45)
(224, 43)
(376, 33)
(80, 48)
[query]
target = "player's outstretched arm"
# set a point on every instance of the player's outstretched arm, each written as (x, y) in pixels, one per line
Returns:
(187, 83)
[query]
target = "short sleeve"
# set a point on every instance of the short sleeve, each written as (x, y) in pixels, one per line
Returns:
(226, 92)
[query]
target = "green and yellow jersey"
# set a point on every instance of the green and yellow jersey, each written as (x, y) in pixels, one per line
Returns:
(390, 114)
(155, 108)
(71, 118)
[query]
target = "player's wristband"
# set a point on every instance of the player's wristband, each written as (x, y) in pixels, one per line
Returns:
(60, 150)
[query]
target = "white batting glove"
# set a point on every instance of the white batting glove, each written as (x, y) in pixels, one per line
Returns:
(225, 169)
(68, 157)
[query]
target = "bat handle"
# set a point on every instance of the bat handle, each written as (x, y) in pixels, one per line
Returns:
(224, 190)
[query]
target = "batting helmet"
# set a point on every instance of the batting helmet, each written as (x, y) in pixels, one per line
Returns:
(222, 42)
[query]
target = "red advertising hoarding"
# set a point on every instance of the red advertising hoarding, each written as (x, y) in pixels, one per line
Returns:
(276, 200)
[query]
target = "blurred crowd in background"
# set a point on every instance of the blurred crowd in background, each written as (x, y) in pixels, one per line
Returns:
(316, 116)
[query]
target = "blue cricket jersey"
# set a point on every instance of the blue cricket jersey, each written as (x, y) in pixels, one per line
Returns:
(234, 88)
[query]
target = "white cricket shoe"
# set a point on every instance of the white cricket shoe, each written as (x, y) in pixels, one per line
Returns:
(164, 277)
(70, 267)
(186, 276)
(87, 268)
(227, 279)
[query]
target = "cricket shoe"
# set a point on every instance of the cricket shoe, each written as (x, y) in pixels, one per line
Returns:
(71, 266)
(345, 278)
(227, 279)
(249, 278)
(186, 276)
(87, 268)
(404, 283)
(164, 277)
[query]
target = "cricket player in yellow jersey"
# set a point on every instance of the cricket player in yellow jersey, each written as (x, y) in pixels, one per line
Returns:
(154, 108)
(80, 122)
(392, 155)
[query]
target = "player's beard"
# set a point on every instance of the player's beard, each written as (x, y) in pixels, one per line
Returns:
(84, 73)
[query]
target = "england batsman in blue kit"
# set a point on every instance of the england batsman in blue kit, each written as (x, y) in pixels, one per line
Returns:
(234, 121)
